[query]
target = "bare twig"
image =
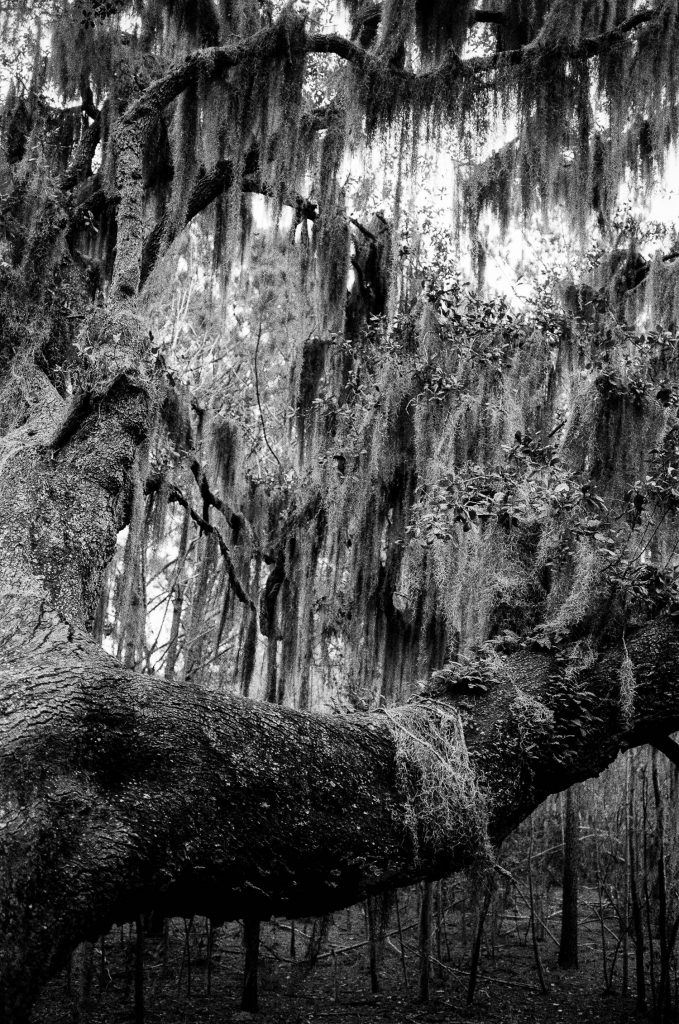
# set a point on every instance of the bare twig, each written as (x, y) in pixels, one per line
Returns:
(175, 494)
(259, 403)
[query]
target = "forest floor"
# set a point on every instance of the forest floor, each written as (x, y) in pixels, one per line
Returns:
(183, 985)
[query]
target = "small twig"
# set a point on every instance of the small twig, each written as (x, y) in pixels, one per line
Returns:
(465, 974)
(176, 495)
(557, 428)
(259, 403)
(508, 875)
(335, 950)
(235, 519)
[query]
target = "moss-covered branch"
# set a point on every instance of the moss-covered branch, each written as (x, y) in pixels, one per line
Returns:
(475, 67)
(175, 494)
(213, 62)
(385, 88)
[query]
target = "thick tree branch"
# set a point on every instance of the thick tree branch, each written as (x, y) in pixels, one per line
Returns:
(453, 66)
(208, 187)
(211, 63)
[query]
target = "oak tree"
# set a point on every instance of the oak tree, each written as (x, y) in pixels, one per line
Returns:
(476, 497)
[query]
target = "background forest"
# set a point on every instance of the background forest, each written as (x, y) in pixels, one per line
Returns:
(408, 277)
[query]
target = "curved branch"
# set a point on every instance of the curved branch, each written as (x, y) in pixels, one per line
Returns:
(454, 66)
(208, 187)
(212, 62)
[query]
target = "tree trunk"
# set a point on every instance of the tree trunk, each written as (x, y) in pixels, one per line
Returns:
(425, 942)
(568, 946)
(484, 907)
(635, 901)
(139, 971)
(371, 925)
(249, 1000)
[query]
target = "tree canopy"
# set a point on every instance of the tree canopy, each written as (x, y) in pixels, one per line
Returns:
(231, 98)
